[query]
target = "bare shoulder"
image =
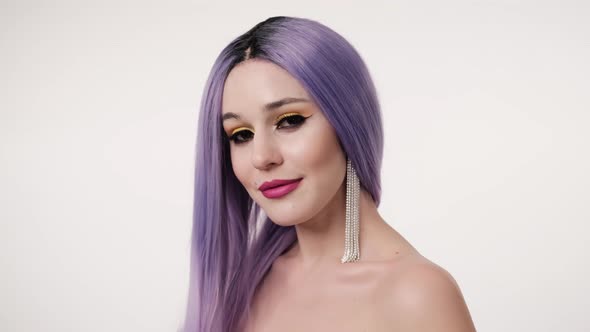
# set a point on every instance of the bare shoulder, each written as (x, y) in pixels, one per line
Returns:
(419, 295)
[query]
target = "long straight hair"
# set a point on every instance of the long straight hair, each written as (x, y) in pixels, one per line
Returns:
(232, 248)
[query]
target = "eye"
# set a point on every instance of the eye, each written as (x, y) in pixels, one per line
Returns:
(294, 119)
(238, 138)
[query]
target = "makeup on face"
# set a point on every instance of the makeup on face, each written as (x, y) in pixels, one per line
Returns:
(279, 188)
(278, 142)
(288, 120)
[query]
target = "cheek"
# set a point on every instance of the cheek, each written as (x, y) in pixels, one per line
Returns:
(239, 165)
(317, 151)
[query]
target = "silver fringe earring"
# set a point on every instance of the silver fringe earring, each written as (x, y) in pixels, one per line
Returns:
(352, 227)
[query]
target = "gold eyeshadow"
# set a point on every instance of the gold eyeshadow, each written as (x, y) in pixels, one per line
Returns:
(282, 116)
(237, 129)
(278, 119)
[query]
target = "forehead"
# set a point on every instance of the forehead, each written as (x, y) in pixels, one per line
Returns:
(255, 82)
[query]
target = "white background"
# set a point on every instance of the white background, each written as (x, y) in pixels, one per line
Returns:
(486, 114)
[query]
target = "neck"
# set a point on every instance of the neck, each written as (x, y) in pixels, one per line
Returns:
(320, 240)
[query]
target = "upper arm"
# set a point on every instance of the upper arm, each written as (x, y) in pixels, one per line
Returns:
(425, 298)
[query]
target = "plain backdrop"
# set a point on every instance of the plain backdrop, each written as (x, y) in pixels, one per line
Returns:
(486, 115)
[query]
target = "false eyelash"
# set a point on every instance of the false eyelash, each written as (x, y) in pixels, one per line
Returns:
(233, 137)
(291, 116)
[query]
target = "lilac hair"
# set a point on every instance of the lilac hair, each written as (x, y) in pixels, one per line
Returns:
(231, 249)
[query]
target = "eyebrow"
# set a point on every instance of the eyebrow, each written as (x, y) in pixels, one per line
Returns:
(269, 107)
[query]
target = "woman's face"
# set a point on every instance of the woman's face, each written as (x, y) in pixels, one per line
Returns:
(278, 132)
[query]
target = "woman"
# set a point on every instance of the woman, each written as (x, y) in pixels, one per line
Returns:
(286, 232)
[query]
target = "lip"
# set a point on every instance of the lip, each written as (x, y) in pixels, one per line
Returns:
(279, 188)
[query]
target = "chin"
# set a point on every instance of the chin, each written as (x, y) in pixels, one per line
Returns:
(285, 220)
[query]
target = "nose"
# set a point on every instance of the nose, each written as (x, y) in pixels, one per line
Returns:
(265, 152)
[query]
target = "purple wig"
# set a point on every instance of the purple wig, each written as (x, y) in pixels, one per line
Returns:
(231, 249)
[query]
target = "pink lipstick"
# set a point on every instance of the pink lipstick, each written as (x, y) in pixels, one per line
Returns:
(279, 188)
